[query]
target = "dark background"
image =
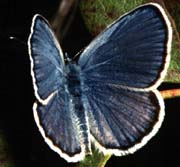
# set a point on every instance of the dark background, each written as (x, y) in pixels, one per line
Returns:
(16, 119)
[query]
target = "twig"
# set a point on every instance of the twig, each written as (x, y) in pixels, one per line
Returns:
(64, 17)
(172, 93)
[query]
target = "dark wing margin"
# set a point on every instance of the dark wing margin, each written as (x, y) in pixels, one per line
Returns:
(58, 127)
(133, 52)
(122, 121)
(46, 58)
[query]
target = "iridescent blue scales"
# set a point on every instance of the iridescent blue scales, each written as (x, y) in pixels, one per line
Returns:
(109, 97)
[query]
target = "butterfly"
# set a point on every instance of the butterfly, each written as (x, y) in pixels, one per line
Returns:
(109, 96)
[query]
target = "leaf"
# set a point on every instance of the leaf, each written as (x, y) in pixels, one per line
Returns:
(97, 14)
(97, 159)
(173, 74)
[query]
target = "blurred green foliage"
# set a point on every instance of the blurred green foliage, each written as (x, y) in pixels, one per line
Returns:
(173, 74)
(98, 14)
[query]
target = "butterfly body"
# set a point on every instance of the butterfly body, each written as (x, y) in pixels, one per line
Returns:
(76, 102)
(109, 96)
(73, 79)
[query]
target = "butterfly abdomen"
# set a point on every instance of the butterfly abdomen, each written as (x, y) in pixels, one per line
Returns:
(79, 115)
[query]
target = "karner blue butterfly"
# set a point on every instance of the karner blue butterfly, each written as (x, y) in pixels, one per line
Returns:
(108, 97)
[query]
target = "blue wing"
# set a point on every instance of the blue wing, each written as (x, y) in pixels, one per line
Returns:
(58, 127)
(121, 121)
(46, 57)
(132, 52)
(121, 70)
(53, 112)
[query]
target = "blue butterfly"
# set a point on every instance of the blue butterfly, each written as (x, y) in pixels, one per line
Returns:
(109, 97)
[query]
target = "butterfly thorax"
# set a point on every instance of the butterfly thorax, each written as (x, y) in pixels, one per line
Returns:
(73, 79)
(79, 115)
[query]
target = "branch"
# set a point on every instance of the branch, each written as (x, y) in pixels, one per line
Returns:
(172, 93)
(64, 17)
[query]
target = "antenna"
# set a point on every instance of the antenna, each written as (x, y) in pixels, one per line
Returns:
(6, 37)
(67, 58)
(17, 39)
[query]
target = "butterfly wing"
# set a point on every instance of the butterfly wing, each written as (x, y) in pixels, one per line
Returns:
(46, 57)
(58, 128)
(122, 121)
(132, 52)
(121, 70)
(52, 112)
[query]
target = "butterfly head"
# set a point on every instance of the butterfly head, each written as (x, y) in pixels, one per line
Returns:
(67, 58)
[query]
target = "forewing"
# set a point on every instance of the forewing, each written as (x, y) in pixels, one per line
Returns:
(46, 59)
(122, 121)
(58, 127)
(132, 52)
